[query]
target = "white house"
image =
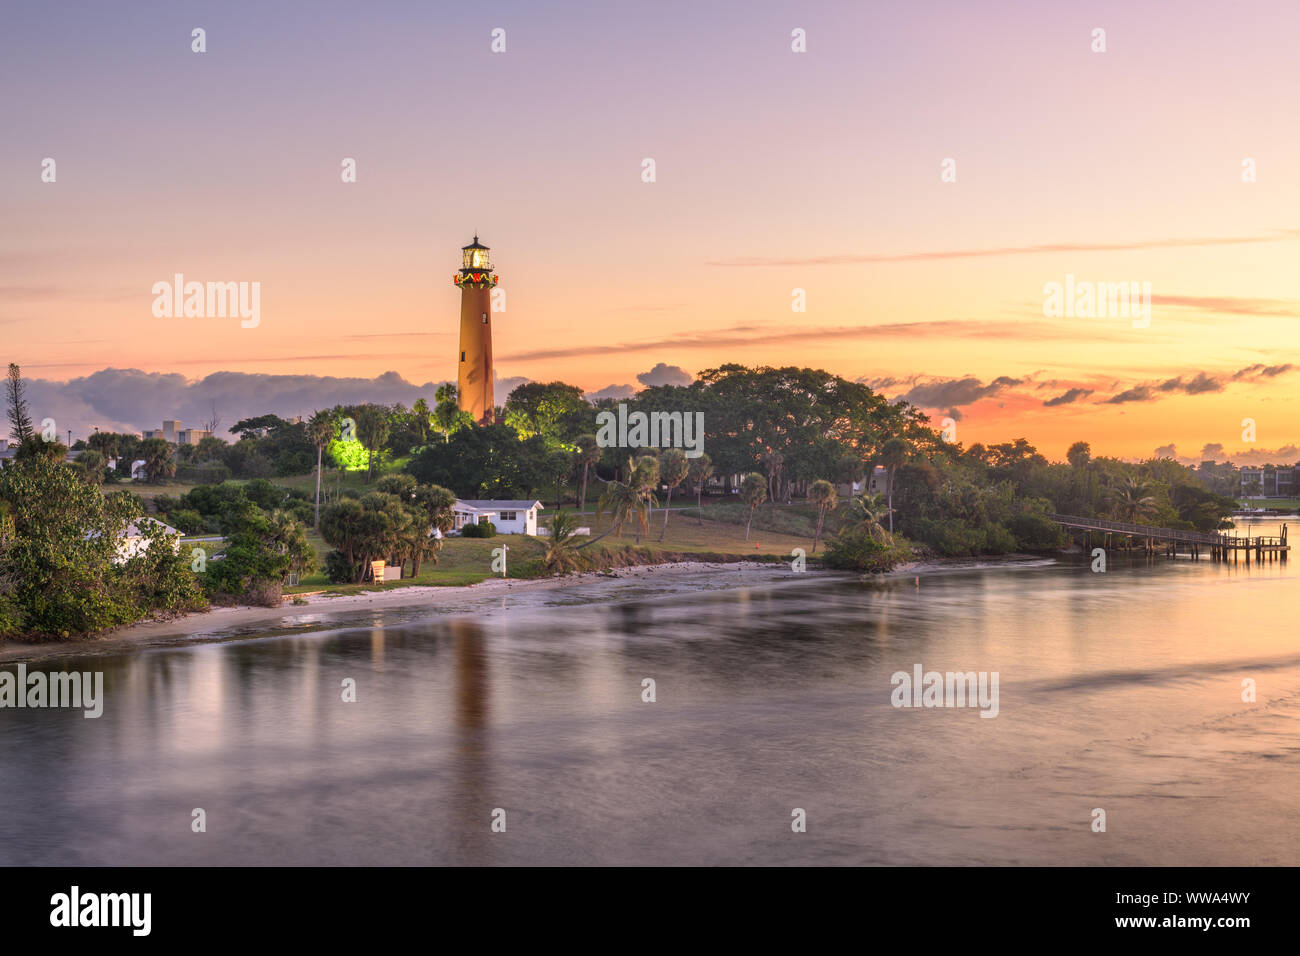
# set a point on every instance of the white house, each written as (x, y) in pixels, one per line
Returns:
(132, 542)
(509, 517)
(876, 484)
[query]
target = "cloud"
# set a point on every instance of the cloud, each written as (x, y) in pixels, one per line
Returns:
(741, 336)
(956, 391)
(1259, 370)
(1068, 397)
(663, 374)
(1138, 393)
(612, 391)
(1280, 235)
(1199, 384)
(1230, 305)
(131, 400)
(1167, 451)
(1285, 455)
(502, 387)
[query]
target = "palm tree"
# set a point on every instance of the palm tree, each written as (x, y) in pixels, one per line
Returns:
(1134, 501)
(588, 454)
(422, 419)
(700, 472)
(434, 504)
(870, 511)
(287, 536)
(561, 557)
(158, 461)
(92, 465)
(322, 428)
(372, 430)
(625, 500)
(753, 489)
(892, 454)
(674, 466)
(105, 443)
(822, 494)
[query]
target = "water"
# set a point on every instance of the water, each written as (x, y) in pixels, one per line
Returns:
(1119, 691)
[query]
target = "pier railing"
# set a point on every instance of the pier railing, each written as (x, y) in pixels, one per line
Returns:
(1170, 534)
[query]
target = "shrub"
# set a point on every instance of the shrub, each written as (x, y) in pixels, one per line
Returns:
(187, 520)
(484, 529)
(855, 550)
(339, 570)
(1036, 533)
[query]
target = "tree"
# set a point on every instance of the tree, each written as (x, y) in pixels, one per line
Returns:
(588, 454)
(674, 466)
(870, 511)
(822, 494)
(893, 453)
(489, 461)
(158, 462)
(1080, 454)
(447, 416)
(36, 447)
(91, 465)
(753, 489)
(106, 443)
(773, 462)
(1253, 489)
(212, 422)
(701, 470)
(561, 557)
(553, 410)
(261, 550)
(631, 499)
(258, 427)
(433, 504)
(366, 529)
(1134, 501)
(20, 418)
(372, 430)
(422, 419)
(323, 427)
(61, 573)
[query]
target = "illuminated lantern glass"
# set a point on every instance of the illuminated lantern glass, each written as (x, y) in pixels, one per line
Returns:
(476, 257)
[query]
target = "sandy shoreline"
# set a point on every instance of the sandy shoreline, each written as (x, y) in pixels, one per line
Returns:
(323, 612)
(230, 622)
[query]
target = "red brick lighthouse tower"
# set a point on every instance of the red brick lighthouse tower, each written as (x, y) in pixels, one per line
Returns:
(474, 383)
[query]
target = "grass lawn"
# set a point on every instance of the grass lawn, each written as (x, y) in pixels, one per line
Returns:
(469, 560)
(1282, 504)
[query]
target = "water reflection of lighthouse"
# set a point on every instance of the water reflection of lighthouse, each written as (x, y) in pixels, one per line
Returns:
(474, 799)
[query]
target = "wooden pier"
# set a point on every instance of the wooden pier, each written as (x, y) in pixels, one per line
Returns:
(1218, 547)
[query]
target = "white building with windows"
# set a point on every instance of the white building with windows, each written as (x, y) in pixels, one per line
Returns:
(134, 542)
(508, 517)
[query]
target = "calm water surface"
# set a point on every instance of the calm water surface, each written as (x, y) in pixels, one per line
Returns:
(1119, 690)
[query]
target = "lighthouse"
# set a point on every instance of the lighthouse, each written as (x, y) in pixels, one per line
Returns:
(474, 381)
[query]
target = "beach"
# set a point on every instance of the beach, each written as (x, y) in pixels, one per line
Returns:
(323, 610)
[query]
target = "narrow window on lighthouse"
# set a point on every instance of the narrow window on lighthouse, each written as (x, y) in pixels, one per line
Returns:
(462, 356)
(485, 318)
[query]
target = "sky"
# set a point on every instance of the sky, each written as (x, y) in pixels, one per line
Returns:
(774, 171)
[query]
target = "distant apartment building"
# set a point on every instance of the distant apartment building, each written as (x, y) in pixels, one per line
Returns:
(171, 431)
(1275, 481)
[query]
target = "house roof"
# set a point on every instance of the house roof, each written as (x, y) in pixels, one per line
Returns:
(133, 529)
(484, 504)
